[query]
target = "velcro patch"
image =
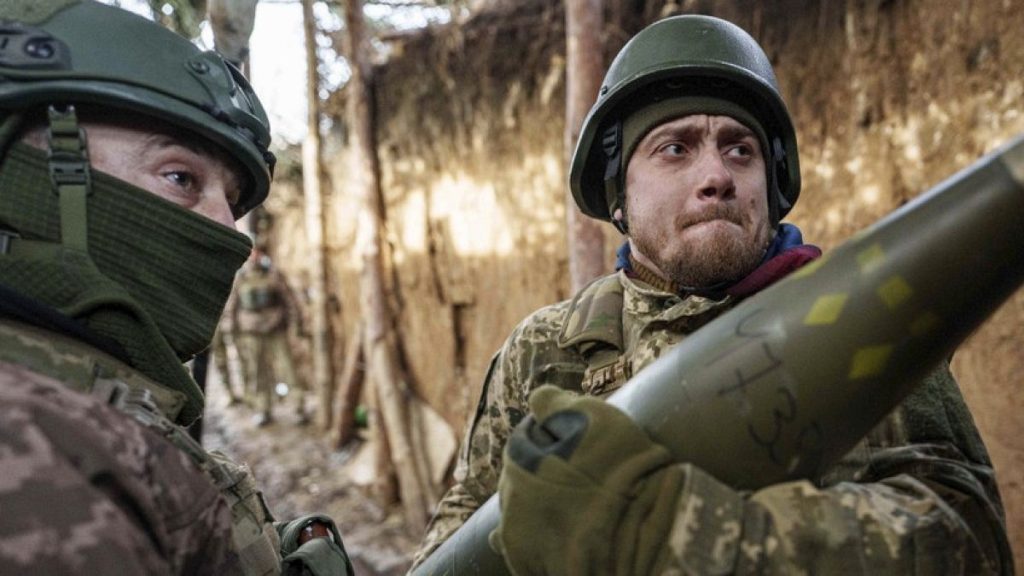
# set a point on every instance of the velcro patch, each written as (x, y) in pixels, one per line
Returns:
(32, 11)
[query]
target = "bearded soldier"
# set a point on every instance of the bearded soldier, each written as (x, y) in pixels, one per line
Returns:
(690, 152)
(126, 154)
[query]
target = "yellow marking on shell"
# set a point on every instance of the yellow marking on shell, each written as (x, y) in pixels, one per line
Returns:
(870, 258)
(924, 323)
(894, 291)
(869, 361)
(826, 310)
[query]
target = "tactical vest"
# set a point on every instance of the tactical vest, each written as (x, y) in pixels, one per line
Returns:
(90, 371)
(258, 292)
(594, 328)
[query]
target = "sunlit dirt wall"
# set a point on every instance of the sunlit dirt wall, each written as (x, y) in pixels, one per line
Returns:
(888, 99)
(470, 135)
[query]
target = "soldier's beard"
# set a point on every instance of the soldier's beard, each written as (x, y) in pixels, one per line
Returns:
(719, 256)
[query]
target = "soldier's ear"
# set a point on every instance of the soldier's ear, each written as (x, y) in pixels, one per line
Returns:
(619, 220)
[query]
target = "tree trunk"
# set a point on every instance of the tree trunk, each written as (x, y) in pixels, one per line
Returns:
(323, 372)
(384, 487)
(232, 22)
(584, 70)
(350, 390)
(380, 350)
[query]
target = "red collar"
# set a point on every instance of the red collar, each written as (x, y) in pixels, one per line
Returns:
(774, 270)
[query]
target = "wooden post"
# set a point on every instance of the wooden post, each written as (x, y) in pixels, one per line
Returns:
(312, 169)
(583, 73)
(380, 350)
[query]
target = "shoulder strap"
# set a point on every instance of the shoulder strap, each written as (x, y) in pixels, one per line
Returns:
(77, 364)
(255, 540)
(90, 371)
(594, 328)
(595, 316)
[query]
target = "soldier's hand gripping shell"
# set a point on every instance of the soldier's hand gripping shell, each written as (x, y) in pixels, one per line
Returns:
(312, 546)
(583, 490)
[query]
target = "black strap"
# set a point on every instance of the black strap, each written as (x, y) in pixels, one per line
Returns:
(69, 172)
(614, 193)
(18, 307)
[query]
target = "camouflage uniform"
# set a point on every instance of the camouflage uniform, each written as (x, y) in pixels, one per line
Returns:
(107, 288)
(262, 312)
(225, 356)
(917, 495)
(98, 480)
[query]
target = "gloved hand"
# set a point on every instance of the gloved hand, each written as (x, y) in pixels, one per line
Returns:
(583, 490)
(311, 545)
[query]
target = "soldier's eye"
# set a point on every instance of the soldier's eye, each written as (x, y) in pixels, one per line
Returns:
(673, 149)
(180, 178)
(740, 151)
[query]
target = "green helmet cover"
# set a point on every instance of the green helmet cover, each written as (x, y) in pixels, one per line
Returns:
(687, 55)
(57, 52)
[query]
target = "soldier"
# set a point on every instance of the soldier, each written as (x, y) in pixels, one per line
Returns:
(126, 154)
(691, 154)
(226, 359)
(262, 313)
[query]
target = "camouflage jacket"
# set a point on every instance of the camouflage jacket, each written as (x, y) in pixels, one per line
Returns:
(262, 302)
(97, 480)
(917, 496)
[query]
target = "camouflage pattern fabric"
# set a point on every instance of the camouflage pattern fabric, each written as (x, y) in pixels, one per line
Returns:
(86, 490)
(126, 401)
(917, 496)
(224, 349)
(263, 302)
(265, 356)
(227, 363)
(261, 310)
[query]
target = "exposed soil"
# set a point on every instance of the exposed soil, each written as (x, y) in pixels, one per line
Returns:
(300, 474)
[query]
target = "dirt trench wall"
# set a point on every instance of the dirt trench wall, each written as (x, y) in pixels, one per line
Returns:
(889, 98)
(470, 136)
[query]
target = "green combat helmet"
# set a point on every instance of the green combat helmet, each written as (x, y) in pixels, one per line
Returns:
(682, 56)
(60, 52)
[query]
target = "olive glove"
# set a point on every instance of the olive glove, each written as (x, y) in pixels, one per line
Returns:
(318, 556)
(583, 490)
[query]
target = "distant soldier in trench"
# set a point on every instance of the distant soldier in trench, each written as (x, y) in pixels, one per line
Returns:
(226, 359)
(263, 311)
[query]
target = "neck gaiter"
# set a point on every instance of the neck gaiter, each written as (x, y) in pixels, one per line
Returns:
(155, 278)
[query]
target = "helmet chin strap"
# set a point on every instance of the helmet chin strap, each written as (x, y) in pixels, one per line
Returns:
(68, 160)
(614, 187)
(10, 126)
(778, 204)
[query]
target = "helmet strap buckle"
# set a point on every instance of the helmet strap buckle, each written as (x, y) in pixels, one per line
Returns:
(777, 202)
(7, 237)
(615, 195)
(68, 160)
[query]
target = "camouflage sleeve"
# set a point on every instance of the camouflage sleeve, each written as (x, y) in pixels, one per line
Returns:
(291, 303)
(917, 497)
(87, 490)
(528, 359)
(229, 318)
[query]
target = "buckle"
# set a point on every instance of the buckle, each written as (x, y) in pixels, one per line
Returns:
(6, 236)
(71, 172)
(68, 158)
